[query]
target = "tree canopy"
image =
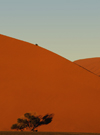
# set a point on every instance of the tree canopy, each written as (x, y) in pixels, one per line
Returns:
(31, 121)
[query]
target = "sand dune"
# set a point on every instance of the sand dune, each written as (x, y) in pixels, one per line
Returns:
(91, 64)
(33, 79)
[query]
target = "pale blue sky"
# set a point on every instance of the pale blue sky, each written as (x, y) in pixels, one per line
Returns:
(70, 28)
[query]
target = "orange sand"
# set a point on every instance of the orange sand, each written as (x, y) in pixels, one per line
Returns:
(33, 79)
(91, 64)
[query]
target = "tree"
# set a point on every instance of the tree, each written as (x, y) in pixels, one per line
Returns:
(32, 122)
(15, 126)
(36, 44)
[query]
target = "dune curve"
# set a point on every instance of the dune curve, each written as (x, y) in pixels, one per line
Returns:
(33, 79)
(91, 64)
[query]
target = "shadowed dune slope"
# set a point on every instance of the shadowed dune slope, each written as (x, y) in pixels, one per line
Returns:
(91, 64)
(33, 79)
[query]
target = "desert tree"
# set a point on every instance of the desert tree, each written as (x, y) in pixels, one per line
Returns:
(31, 121)
(36, 44)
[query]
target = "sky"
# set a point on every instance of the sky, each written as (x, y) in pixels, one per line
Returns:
(70, 28)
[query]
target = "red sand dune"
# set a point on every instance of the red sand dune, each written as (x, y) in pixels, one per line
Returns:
(33, 79)
(91, 64)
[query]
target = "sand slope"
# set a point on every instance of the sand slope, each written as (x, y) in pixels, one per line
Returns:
(91, 64)
(33, 79)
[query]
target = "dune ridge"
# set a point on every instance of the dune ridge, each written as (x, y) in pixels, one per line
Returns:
(33, 79)
(91, 64)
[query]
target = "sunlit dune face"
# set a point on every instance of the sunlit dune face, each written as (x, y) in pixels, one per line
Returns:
(90, 64)
(33, 79)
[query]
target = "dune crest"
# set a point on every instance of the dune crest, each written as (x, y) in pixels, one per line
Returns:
(91, 64)
(33, 79)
